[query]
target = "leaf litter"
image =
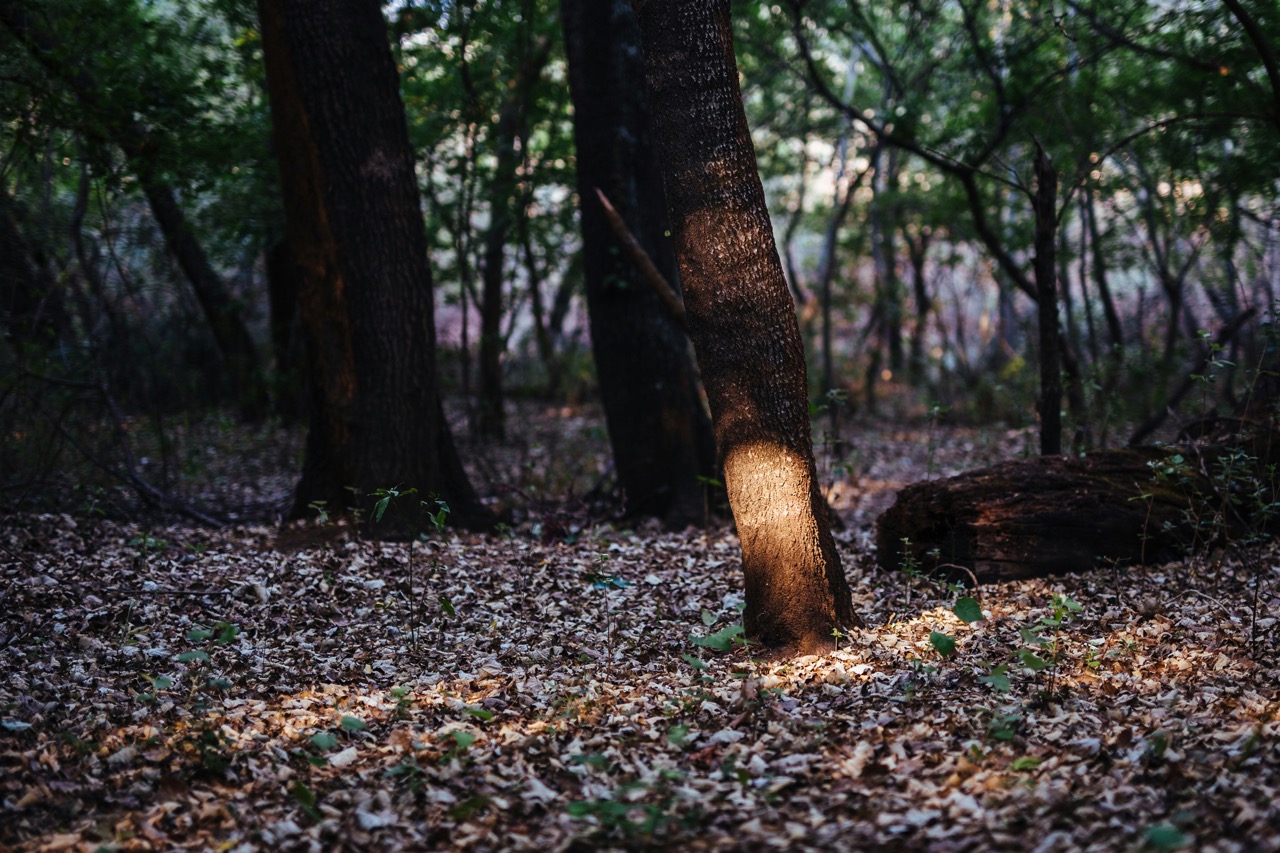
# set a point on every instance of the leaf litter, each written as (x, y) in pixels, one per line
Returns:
(171, 687)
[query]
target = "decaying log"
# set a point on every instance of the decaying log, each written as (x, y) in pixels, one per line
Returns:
(1052, 515)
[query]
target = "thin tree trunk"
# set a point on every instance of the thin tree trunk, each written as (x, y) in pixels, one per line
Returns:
(1046, 272)
(743, 325)
(917, 251)
(491, 417)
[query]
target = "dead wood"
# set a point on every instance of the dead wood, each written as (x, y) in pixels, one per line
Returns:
(1052, 515)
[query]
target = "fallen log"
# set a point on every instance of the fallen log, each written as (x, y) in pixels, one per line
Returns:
(1053, 515)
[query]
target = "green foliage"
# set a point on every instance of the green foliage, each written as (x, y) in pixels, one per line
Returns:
(944, 644)
(721, 641)
(967, 610)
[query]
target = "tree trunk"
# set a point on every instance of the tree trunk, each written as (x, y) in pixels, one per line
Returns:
(661, 435)
(283, 285)
(918, 251)
(490, 414)
(743, 326)
(354, 226)
(1046, 209)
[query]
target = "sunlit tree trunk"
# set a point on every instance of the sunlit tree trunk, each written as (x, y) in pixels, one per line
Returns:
(354, 226)
(661, 436)
(743, 325)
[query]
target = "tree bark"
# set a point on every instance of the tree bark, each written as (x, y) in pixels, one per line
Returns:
(743, 326)
(1055, 514)
(661, 435)
(1046, 271)
(355, 229)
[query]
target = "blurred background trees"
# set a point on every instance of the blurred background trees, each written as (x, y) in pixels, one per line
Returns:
(145, 287)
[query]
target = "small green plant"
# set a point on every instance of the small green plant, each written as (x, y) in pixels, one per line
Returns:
(637, 810)
(721, 641)
(436, 512)
(321, 509)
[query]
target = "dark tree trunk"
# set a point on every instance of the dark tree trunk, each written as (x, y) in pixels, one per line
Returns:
(355, 229)
(743, 326)
(1046, 209)
(490, 412)
(1115, 331)
(284, 281)
(661, 436)
(223, 313)
(917, 251)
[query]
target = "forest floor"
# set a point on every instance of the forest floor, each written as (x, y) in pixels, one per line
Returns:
(576, 685)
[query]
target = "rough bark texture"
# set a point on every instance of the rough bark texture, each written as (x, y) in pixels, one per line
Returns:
(354, 227)
(743, 325)
(661, 436)
(1052, 515)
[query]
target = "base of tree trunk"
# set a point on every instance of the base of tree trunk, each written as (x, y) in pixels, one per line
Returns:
(1053, 515)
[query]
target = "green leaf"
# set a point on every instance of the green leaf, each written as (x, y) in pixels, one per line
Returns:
(967, 610)
(380, 507)
(997, 678)
(594, 760)
(1166, 837)
(943, 643)
(306, 798)
(708, 618)
(581, 808)
(468, 807)
(720, 641)
(162, 682)
(1026, 762)
(678, 736)
(462, 738)
(353, 724)
(480, 713)
(199, 635)
(324, 740)
(696, 663)
(1031, 635)
(447, 606)
(227, 632)
(1033, 661)
(193, 655)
